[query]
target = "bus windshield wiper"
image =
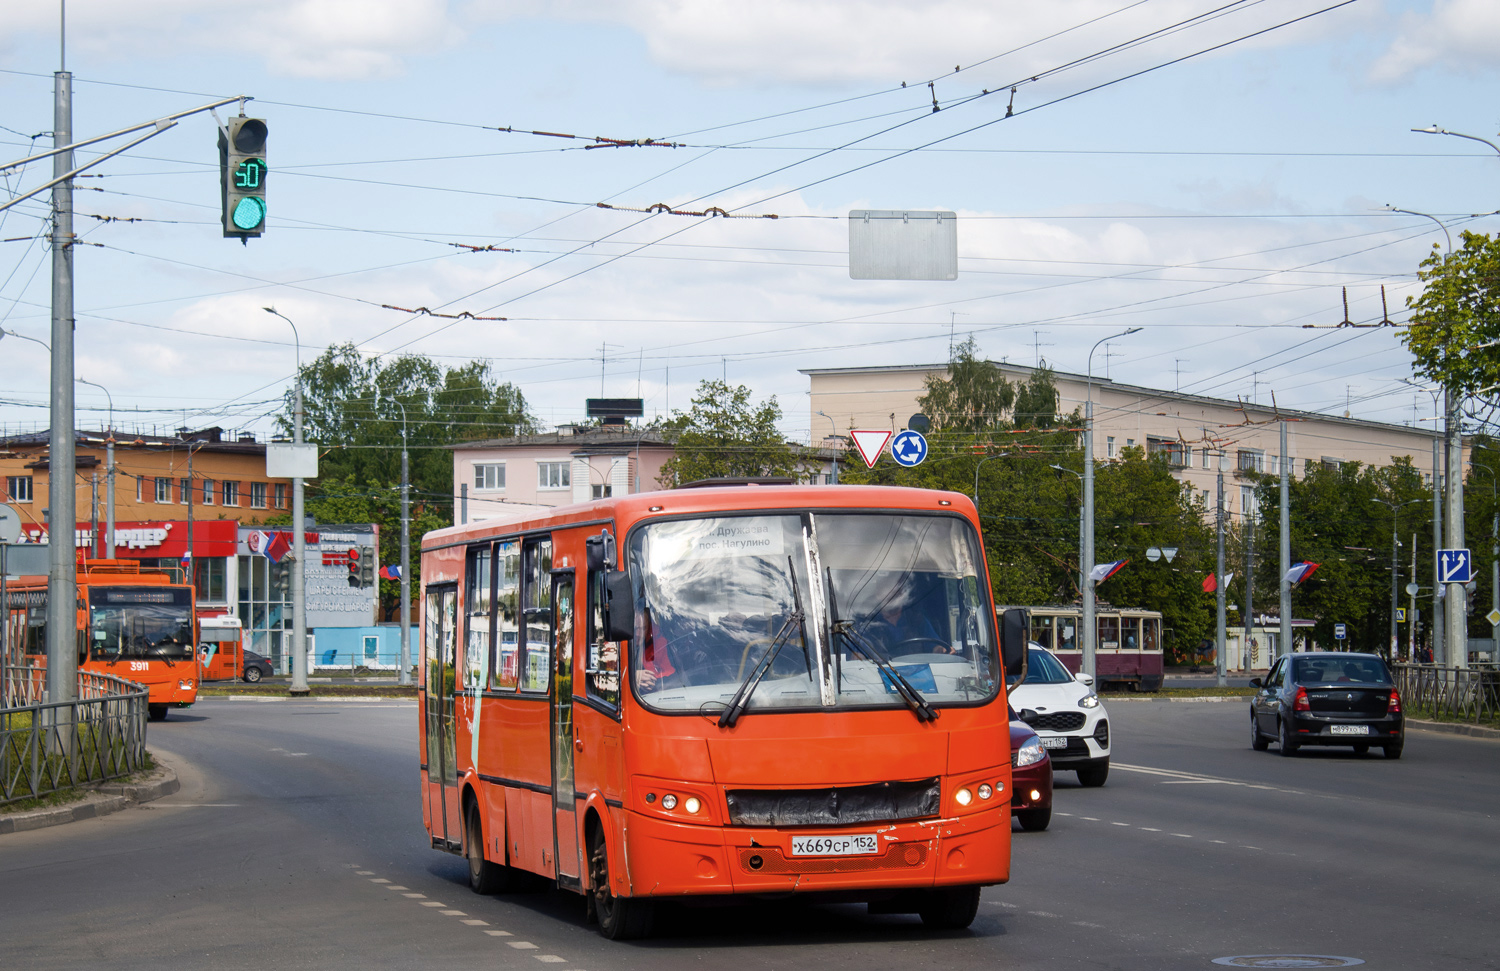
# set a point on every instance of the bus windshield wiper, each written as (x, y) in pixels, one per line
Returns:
(909, 694)
(741, 699)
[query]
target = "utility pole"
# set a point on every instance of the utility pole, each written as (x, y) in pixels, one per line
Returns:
(1286, 551)
(1411, 606)
(1457, 630)
(299, 529)
(1249, 645)
(405, 677)
(109, 494)
(1439, 642)
(1495, 584)
(94, 514)
(62, 574)
(1219, 642)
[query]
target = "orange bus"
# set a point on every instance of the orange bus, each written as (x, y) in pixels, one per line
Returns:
(721, 691)
(133, 622)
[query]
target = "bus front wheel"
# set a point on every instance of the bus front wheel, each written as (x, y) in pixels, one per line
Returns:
(952, 908)
(157, 712)
(620, 918)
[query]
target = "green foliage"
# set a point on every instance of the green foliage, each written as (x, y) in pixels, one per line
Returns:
(1459, 308)
(1337, 523)
(724, 435)
(972, 398)
(352, 408)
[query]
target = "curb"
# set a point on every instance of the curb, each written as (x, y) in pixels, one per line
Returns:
(1109, 700)
(103, 799)
(1451, 728)
(325, 699)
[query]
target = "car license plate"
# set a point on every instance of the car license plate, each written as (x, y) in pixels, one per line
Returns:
(1349, 730)
(861, 844)
(1054, 742)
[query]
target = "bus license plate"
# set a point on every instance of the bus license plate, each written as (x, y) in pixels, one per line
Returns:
(1349, 730)
(858, 845)
(1054, 742)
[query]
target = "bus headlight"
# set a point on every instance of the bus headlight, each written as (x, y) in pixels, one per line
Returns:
(669, 801)
(963, 796)
(985, 791)
(691, 804)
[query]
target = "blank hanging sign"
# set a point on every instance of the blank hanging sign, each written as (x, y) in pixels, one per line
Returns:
(902, 244)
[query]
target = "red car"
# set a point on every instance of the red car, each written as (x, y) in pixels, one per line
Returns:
(1031, 778)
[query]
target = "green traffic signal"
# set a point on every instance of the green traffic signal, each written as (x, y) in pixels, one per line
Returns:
(249, 213)
(250, 174)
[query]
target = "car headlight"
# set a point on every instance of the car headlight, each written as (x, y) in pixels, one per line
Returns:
(1089, 700)
(1030, 752)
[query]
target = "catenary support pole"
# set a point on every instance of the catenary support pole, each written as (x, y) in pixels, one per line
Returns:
(1219, 642)
(1248, 652)
(1457, 626)
(62, 575)
(1286, 549)
(1411, 606)
(405, 559)
(1438, 641)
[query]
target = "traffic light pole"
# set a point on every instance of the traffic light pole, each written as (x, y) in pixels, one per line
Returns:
(1457, 629)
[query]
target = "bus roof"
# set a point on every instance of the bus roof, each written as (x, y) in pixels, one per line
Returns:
(707, 500)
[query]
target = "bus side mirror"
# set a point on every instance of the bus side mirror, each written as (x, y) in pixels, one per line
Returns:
(619, 607)
(1015, 631)
(600, 552)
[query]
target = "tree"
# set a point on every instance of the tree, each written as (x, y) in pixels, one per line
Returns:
(972, 397)
(1458, 309)
(724, 435)
(352, 409)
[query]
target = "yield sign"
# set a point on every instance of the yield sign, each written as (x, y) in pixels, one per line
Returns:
(870, 444)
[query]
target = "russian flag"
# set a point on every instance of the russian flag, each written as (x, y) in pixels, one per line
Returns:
(1299, 572)
(390, 573)
(1104, 571)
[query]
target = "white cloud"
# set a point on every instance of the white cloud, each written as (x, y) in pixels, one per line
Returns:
(332, 39)
(1460, 35)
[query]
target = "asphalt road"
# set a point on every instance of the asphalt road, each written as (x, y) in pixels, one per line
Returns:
(296, 842)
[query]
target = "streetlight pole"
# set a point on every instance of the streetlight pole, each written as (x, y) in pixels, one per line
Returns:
(1220, 641)
(62, 572)
(1395, 508)
(1457, 630)
(1089, 635)
(405, 578)
(1286, 549)
(299, 539)
(109, 474)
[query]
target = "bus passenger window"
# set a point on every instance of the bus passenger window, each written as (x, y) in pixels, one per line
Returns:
(536, 599)
(477, 616)
(603, 667)
(507, 622)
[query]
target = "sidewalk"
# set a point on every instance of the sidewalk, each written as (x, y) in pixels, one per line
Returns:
(100, 800)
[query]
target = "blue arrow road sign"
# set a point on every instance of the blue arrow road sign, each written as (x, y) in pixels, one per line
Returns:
(1454, 566)
(909, 448)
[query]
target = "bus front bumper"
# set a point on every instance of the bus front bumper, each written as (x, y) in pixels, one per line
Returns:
(665, 858)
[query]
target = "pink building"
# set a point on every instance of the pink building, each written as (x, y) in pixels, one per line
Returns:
(571, 464)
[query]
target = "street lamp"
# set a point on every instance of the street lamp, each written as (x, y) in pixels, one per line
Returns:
(1395, 508)
(1441, 225)
(11, 333)
(1435, 130)
(405, 577)
(299, 529)
(1089, 634)
(109, 474)
(979, 465)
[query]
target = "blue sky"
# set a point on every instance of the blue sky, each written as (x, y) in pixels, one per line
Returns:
(1219, 203)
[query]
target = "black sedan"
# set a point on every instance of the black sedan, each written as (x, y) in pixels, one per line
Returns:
(1327, 699)
(256, 667)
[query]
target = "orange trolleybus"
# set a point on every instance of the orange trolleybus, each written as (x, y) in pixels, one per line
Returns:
(133, 622)
(721, 691)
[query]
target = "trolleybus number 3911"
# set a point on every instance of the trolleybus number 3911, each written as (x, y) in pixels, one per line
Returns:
(853, 845)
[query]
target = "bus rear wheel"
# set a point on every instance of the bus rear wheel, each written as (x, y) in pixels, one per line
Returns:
(952, 908)
(620, 918)
(485, 877)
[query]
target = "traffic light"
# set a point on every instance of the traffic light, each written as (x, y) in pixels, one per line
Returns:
(355, 564)
(242, 176)
(367, 566)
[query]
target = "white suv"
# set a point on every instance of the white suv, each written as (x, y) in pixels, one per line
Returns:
(1066, 714)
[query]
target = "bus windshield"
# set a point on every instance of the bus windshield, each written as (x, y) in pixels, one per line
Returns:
(841, 610)
(141, 622)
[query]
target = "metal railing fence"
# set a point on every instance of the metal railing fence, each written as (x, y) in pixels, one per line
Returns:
(1464, 694)
(50, 746)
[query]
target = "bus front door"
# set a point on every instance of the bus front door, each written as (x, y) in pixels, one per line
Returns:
(439, 645)
(564, 813)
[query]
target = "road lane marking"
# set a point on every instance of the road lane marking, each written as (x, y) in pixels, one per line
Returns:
(1041, 913)
(550, 958)
(1092, 819)
(474, 922)
(395, 887)
(414, 896)
(522, 945)
(364, 873)
(1150, 829)
(432, 903)
(379, 880)
(1119, 824)
(1177, 777)
(498, 933)
(1186, 836)
(453, 913)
